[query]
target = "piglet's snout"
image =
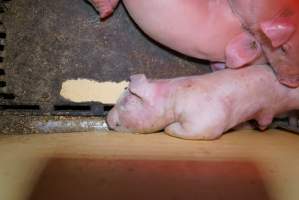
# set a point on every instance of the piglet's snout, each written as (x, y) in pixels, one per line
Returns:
(113, 120)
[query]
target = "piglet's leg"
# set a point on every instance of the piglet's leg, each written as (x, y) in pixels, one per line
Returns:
(287, 75)
(175, 129)
(105, 7)
(193, 130)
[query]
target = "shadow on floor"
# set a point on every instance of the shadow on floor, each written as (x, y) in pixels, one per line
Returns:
(90, 179)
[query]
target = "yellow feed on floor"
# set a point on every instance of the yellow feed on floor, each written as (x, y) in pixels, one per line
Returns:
(85, 90)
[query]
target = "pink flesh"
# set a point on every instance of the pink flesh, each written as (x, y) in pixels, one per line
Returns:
(191, 27)
(278, 31)
(242, 50)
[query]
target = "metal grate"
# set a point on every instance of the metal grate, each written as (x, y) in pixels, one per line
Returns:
(3, 86)
(10, 107)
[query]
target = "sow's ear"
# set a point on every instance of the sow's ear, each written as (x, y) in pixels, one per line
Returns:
(278, 30)
(139, 86)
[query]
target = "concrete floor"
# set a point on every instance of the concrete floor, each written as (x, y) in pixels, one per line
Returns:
(240, 165)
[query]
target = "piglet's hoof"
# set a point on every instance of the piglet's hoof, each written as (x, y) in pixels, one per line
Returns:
(292, 82)
(105, 7)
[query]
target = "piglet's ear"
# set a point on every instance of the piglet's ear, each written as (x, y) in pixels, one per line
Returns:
(242, 50)
(278, 30)
(139, 85)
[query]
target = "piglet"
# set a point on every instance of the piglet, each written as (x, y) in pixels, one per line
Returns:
(274, 25)
(202, 107)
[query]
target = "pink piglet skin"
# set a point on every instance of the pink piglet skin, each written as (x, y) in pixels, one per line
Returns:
(202, 107)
